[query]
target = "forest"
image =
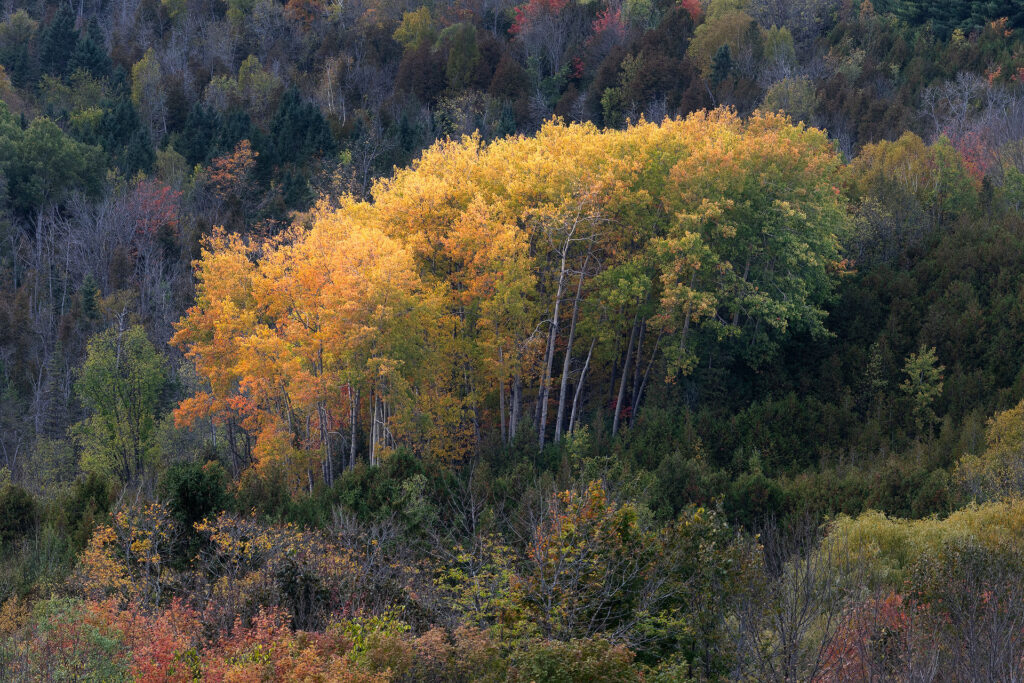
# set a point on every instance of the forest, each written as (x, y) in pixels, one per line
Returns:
(566, 341)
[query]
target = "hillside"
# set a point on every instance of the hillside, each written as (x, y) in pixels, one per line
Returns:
(557, 341)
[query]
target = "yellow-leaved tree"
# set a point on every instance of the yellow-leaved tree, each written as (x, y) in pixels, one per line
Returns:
(488, 284)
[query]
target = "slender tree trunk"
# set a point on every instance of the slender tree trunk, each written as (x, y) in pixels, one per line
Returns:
(637, 358)
(373, 429)
(545, 387)
(579, 389)
(566, 362)
(353, 423)
(501, 396)
(39, 252)
(517, 407)
(625, 375)
(232, 445)
(325, 434)
(640, 392)
(736, 313)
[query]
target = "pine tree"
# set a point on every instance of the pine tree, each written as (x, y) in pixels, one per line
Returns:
(298, 131)
(90, 54)
(721, 65)
(195, 141)
(58, 43)
(125, 139)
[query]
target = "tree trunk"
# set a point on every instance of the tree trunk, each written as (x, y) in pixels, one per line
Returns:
(501, 396)
(325, 435)
(625, 375)
(736, 313)
(373, 429)
(640, 392)
(545, 386)
(637, 358)
(353, 422)
(517, 407)
(579, 389)
(559, 420)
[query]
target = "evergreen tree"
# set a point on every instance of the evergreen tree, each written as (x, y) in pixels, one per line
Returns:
(125, 139)
(721, 65)
(298, 131)
(234, 128)
(923, 385)
(90, 54)
(195, 142)
(58, 43)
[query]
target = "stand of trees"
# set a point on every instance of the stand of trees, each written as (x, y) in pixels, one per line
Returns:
(559, 341)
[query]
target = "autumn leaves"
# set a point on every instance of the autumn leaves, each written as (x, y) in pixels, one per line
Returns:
(484, 289)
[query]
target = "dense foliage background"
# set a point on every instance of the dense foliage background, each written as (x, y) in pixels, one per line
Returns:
(563, 340)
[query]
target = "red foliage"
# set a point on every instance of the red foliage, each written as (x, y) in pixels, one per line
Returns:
(160, 644)
(576, 68)
(974, 153)
(155, 206)
(874, 631)
(534, 10)
(693, 8)
(610, 21)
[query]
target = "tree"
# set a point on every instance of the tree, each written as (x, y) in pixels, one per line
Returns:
(57, 42)
(258, 89)
(923, 385)
(148, 94)
(43, 165)
(727, 28)
(721, 65)
(17, 33)
(794, 96)
(126, 139)
(662, 242)
(119, 385)
(416, 29)
(998, 472)
(463, 54)
(17, 513)
(90, 53)
(297, 132)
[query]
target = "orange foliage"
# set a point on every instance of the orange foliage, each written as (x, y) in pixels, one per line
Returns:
(412, 320)
(162, 645)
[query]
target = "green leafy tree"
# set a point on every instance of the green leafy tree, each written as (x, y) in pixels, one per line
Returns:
(43, 165)
(463, 54)
(148, 94)
(998, 473)
(794, 96)
(923, 385)
(119, 385)
(17, 34)
(418, 28)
